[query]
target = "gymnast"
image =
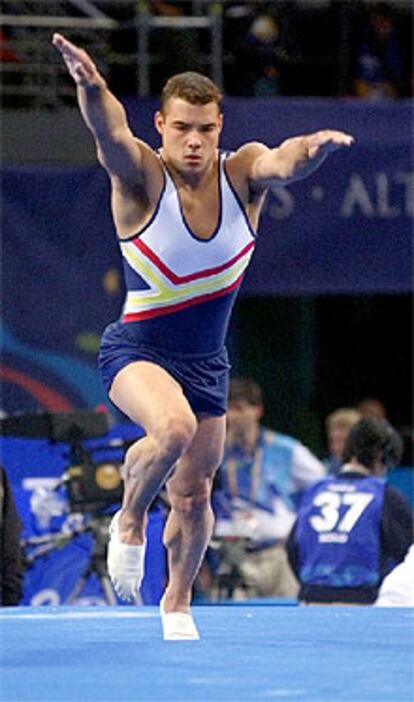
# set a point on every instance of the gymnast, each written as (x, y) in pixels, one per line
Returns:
(186, 217)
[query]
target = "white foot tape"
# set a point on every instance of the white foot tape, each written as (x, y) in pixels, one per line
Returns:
(178, 626)
(125, 563)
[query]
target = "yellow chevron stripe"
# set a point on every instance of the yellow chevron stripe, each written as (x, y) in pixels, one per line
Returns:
(144, 267)
(163, 294)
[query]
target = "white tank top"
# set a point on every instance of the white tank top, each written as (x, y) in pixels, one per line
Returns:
(169, 271)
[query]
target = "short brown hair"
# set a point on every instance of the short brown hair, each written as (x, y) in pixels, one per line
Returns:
(245, 389)
(192, 87)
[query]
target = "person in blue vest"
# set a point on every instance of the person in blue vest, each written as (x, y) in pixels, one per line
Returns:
(353, 528)
(186, 217)
(260, 481)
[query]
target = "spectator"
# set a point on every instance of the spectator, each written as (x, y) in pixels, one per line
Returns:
(371, 407)
(378, 70)
(338, 425)
(402, 476)
(352, 529)
(11, 560)
(261, 57)
(260, 481)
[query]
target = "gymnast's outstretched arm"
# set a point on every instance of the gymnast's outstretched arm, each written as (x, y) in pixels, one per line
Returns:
(119, 151)
(294, 159)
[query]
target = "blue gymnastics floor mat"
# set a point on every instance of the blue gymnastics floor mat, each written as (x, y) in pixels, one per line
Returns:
(249, 652)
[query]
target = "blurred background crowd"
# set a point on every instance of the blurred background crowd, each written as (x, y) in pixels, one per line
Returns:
(284, 48)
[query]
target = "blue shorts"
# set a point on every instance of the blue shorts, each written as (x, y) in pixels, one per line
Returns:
(204, 378)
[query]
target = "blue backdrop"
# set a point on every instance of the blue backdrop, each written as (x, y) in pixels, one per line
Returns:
(346, 229)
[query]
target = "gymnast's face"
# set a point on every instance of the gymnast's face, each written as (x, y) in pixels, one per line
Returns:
(190, 135)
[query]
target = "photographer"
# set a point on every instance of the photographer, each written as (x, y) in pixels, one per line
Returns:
(353, 528)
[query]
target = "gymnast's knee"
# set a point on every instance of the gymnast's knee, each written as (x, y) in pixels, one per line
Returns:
(192, 503)
(166, 443)
(174, 435)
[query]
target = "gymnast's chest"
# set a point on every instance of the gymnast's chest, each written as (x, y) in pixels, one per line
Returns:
(175, 237)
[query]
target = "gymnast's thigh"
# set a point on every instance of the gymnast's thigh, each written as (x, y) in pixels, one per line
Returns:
(149, 395)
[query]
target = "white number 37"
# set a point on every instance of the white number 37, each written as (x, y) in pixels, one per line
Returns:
(332, 516)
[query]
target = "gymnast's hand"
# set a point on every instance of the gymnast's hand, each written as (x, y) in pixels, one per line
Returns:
(324, 142)
(79, 64)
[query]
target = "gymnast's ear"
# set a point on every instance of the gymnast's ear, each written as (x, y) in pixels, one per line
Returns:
(159, 122)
